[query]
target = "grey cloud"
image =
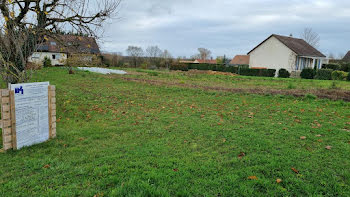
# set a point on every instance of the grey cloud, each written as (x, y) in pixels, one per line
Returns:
(226, 26)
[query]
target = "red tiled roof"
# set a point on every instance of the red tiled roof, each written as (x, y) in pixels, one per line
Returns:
(240, 60)
(206, 61)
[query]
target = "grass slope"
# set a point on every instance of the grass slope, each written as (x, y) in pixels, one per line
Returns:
(119, 138)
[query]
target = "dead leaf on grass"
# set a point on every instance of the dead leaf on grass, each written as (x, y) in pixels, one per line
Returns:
(318, 135)
(328, 147)
(253, 178)
(295, 170)
(175, 170)
(279, 180)
(303, 137)
(46, 166)
(241, 155)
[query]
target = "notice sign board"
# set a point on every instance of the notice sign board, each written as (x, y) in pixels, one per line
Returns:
(32, 113)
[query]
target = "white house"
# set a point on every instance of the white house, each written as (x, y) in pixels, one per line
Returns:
(290, 53)
(60, 47)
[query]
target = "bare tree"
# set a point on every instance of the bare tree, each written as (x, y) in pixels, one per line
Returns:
(154, 53)
(311, 37)
(194, 57)
(135, 53)
(167, 58)
(204, 53)
(27, 23)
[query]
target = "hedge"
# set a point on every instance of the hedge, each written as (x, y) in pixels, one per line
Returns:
(283, 73)
(339, 75)
(182, 67)
(324, 74)
(258, 72)
(308, 73)
(331, 66)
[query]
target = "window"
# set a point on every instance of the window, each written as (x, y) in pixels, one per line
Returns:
(53, 57)
(35, 56)
(53, 43)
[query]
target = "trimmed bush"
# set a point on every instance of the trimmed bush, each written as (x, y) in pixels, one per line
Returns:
(182, 67)
(324, 74)
(339, 75)
(283, 73)
(308, 73)
(257, 72)
(331, 66)
(47, 62)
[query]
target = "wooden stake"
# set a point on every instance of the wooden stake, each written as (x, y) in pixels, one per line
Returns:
(13, 120)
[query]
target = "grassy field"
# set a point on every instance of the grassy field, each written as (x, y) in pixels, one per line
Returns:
(118, 137)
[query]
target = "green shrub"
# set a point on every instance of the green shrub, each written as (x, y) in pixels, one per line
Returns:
(348, 78)
(345, 67)
(308, 73)
(310, 96)
(178, 66)
(333, 85)
(331, 66)
(257, 72)
(283, 73)
(324, 74)
(47, 62)
(339, 75)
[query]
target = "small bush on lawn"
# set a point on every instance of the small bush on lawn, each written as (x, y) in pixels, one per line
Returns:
(339, 75)
(331, 66)
(182, 67)
(324, 74)
(283, 73)
(47, 62)
(307, 73)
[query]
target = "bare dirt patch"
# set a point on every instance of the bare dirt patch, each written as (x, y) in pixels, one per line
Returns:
(320, 93)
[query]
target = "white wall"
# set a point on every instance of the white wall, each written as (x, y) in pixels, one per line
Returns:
(273, 54)
(38, 58)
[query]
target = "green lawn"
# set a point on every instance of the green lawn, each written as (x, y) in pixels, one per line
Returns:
(124, 138)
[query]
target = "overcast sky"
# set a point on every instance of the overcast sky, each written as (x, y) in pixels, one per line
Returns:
(227, 27)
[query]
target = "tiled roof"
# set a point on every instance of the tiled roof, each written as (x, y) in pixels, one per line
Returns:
(299, 46)
(240, 60)
(347, 57)
(206, 61)
(70, 44)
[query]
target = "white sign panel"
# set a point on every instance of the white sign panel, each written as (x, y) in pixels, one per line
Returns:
(32, 113)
